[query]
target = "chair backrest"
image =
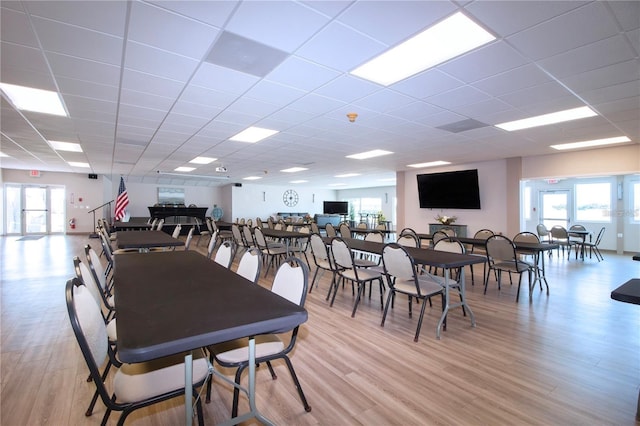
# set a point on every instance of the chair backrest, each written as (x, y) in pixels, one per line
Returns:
(362, 225)
(526, 237)
(242, 221)
(342, 255)
(374, 236)
(289, 228)
(279, 226)
(154, 223)
(450, 245)
(237, 235)
(258, 222)
(449, 231)
(542, 230)
(250, 264)
(314, 228)
(397, 263)
(483, 234)
(439, 235)
(345, 231)
(410, 231)
(85, 276)
(291, 279)
(258, 238)
(224, 255)
(408, 240)
(212, 244)
(176, 231)
(247, 232)
(160, 225)
(210, 224)
(381, 226)
(501, 249)
(330, 230)
(577, 228)
(187, 242)
(599, 237)
(250, 222)
(90, 331)
(559, 233)
(318, 248)
(98, 272)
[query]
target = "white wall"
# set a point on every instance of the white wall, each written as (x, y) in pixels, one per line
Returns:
(144, 195)
(492, 215)
(77, 186)
(254, 200)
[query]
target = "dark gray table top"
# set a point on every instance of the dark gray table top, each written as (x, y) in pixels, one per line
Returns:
(171, 302)
(628, 292)
(146, 239)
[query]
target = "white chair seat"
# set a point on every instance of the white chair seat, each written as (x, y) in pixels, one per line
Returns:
(237, 351)
(364, 263)
(427, 286)
(111, 331)
(136, 382)
(363, 274)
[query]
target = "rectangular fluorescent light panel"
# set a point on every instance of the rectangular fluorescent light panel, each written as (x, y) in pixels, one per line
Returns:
(203, 160)
(299, 181)
(588, 144)
(346, 175)
(36, 100)
(294, 169)
(447, 39)
(253, 134)
(78, 164)
(2, 154)
(184, 169)
(252, 178)
(546, 119)
(430, 164)
(369, 154)
(66, 146)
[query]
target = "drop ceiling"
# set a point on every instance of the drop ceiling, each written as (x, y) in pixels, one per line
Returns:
(150, 85)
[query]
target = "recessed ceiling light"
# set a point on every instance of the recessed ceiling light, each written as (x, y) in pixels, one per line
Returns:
(445, 40)
(369, 154)
(294, 169)
(203, 160)
(430, 164)
(587, 144)
(66, 146)
(2, 154)
(184, 169)
(299, 181)
(252, 178)
(546, 119)
(78, 164)
(36, 100)
(346, 175)
(337, 184)
(253, 134)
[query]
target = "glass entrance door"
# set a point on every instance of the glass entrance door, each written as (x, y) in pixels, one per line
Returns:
(32, 209)
(555, 207)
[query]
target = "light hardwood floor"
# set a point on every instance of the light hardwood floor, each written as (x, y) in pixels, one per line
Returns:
(570, 358)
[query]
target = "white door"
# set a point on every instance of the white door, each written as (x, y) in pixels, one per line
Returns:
(34, 209)
(556, 208)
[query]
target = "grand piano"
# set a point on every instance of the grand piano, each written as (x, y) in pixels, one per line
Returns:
(177, 211)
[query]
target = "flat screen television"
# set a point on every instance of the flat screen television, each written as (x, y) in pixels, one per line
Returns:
(449, 190)
(335, 207)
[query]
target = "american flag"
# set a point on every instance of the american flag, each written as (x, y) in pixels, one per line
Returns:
(122, 201)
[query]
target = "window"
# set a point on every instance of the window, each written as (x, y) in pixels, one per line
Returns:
(593, 202)
(636, 201)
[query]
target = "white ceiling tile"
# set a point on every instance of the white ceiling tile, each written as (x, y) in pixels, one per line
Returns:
(104, 16)
(211, 12)
(273, 93)
(322, 48)
(301, 74)
(385, 100)
(315, 104)
(76, 41)
(15, 28)
(586, 58)
(626, 12)
(153, 61)
(181, 35)
(427, 84)
(347, 89)
(486, 61)
(555, 35)
(83, 69)
(513, 80)
(617, 73)
(392, 22)
(535, 94)
(208, 97)
(223, 79)
(145, 100)
(300, 23)
(458, 97)
(149, 83)
(611, 93)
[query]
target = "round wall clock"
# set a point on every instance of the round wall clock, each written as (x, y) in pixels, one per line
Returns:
(290, 198)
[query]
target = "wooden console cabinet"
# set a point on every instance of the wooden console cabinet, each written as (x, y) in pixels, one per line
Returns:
(461, 230)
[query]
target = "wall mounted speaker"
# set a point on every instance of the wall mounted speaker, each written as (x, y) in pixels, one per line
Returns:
(239, 185)
(93, 176)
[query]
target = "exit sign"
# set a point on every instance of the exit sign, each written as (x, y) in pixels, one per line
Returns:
(552, 181)
(34, 173)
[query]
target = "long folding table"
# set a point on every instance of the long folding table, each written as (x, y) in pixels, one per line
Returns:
(438, 259)
(144, 240)
(174, 302)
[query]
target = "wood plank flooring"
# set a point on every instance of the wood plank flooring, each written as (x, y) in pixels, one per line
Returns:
(570, 358)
